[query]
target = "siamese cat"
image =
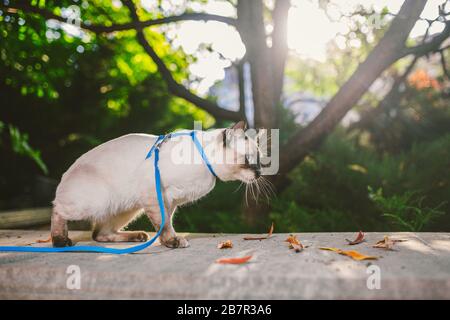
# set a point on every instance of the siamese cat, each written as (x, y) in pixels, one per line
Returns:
(113, 183)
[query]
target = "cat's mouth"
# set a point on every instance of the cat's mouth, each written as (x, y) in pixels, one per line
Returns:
(258, 186)
(248, 174)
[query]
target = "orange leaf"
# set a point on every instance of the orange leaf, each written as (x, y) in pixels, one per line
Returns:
(225, 245)
(358, 256)
(420, 79)
(294, 243)
(351, 253)
(234, 260)
(44, 241)
(262, 238)
(359, 238)
(292, 239)
(270, 231)
(331, 249)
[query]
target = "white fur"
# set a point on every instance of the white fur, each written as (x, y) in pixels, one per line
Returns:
(115, 177)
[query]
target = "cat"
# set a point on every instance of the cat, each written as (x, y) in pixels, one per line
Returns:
(113, 183)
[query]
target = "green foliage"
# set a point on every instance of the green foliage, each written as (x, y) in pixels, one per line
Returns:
(329, 189)
(406, 210)
(20, 145)
(297, 218)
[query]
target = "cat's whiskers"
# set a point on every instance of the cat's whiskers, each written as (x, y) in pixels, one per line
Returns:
(238, 187)
(259, 186)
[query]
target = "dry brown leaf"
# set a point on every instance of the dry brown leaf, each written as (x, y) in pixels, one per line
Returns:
(359, 238)
(294, 243)
(234, 260)
(262, 238)
(351, 253)
(225, 245)
(387, 243)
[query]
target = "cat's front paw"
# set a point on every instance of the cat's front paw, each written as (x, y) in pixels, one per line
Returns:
(176, 242)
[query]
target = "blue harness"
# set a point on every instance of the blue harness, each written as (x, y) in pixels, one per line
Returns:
(153, 150)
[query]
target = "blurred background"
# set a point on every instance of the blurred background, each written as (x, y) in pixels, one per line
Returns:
(360, 91)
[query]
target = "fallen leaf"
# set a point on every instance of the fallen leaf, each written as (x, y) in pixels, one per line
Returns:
(387, 243)
(225, 245)
(351, 253)
(44, 241)
(292, 239)
(358, 256)
(262, 238)
(234, 260)
(294, 243)
(331, 249)
(359, 238)
(297, 247)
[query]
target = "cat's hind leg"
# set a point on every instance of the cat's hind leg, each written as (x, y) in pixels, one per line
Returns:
(59, 231)
(109, 230)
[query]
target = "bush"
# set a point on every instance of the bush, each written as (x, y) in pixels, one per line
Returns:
(407, 210)
(329, 189)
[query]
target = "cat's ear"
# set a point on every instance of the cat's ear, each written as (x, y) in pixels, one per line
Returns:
(239, 125)
(227, 134)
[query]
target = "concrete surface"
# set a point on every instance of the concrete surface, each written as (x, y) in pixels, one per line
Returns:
(418, 269)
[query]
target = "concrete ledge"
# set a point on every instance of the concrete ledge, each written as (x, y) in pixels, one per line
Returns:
(418, 269)
(25, 218)
(36, 219)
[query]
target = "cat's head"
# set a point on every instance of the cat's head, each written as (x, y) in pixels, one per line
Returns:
(239, 156)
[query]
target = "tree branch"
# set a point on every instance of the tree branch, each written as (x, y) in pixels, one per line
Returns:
(389, 101)
(174, 87)
(445, 71)
(136, 25)
(430, 46)
(382, 56)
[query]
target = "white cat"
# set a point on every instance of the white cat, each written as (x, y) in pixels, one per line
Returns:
(113, 183)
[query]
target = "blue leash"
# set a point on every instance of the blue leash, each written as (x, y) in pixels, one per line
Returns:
(154, 149)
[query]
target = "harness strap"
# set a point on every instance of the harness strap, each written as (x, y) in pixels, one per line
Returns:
(96, 249)
(202, 152)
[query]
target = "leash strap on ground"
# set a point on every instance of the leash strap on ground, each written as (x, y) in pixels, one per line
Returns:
(95, 249)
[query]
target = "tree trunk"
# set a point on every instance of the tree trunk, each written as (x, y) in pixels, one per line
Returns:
(267, 73)
(279, 48)
(252, 30)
